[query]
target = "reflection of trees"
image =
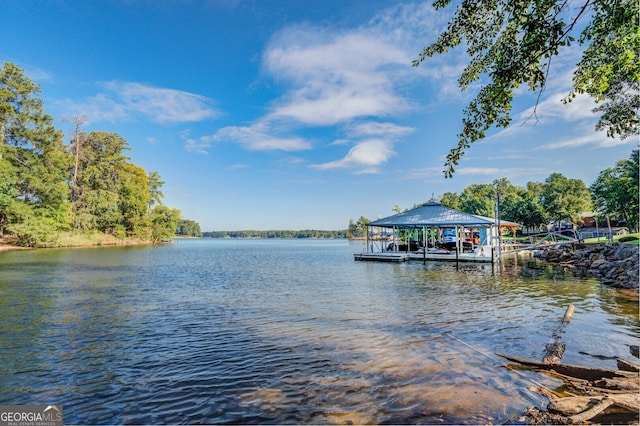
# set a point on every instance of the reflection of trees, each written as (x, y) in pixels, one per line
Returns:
(622, 304)
(552, 278)
(530, 267)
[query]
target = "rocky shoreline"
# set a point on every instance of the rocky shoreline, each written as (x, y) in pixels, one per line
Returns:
(614, 264)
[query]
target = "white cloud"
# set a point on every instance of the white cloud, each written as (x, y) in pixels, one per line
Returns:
(549, 111)
(497, 171)
(374, 148)
(378, 129)
(257, 137)
(368, 154)
(594, 139)
(409, 24)
(97, 108)
(334, 78)
(427, 173)
(553, 109)
(123, 100)
(37, 73)
(238, 167)
(199, 146)
(291, 161)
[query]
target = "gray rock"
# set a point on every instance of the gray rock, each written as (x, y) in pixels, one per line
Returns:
(616, 264)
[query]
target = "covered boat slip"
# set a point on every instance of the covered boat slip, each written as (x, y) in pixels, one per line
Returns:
(435, 232)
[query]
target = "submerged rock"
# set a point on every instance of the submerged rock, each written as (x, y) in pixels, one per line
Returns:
(614, 264)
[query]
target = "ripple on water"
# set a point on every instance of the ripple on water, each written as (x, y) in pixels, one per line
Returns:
(283, 332)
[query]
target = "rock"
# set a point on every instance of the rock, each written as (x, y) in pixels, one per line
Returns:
(624, 251)
(616, 264)
(598, 264)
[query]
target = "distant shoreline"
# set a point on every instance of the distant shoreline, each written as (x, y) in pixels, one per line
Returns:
(10, 243)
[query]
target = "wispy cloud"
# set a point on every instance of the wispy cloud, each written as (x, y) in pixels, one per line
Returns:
(346, 78)
(595, 140)
(122, 101)
(198, 146)
(373, 144)
(366, 155)
(498, 171)
(334, 78)
(552, 108)
(549, 111)
(374, 128)
(291, 161)
(341, 79)
(37, 73)
(238, 167)
(430, 174)
(258, 137)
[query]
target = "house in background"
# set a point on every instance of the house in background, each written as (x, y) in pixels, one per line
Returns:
(600, 232)
(592, 229)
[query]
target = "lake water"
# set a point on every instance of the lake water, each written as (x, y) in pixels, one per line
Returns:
(288, 331)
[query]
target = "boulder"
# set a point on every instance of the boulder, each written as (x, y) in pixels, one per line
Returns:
(616, 264)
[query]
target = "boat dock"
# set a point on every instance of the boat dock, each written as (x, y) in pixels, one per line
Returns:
(433, 232)
(440, 257)
(382, 257)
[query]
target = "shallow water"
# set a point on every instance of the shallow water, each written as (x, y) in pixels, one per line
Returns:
(288, 331)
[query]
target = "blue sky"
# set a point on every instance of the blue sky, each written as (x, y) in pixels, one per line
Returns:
(289, 114)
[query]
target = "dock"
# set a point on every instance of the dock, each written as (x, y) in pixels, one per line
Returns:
(382, 257)
(433, 232)
(440, 257)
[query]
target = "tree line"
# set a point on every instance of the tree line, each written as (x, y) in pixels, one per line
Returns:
(87, 186)
(613, 197)
(188, 228)
(305, 233)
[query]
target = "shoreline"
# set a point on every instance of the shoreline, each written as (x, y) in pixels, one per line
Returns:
(9, 247)
(613, 264)
(9, 244)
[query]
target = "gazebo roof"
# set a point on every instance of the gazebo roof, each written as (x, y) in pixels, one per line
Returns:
(432, 214)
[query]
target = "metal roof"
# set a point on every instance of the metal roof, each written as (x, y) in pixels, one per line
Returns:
(432, 214)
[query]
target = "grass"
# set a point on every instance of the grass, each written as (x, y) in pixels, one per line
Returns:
(72, 239)
(628, 239)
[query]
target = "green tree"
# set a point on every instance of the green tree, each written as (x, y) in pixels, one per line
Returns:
(99, 183)
(616, 189)
(89, 185)
(479, 199)
(359, 229)
(133, 198)
(155, 183)
(164, 222)
(535, 188)
(523, 208)
(33, 162)
(351, 229)
(512, 43)
(188, 228)
(609, 70)
(564, 198)
(451, 200)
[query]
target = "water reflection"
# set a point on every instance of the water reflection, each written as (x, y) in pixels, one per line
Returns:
(286, 332)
